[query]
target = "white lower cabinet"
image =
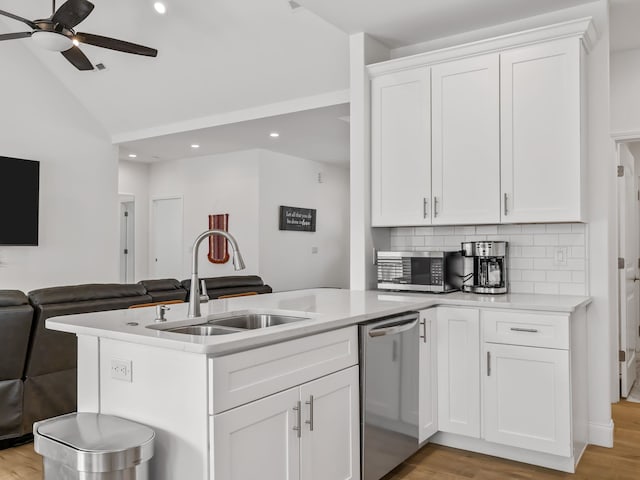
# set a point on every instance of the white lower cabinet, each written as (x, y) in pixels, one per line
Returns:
(427, 387)
(527, 398)
(458, 346)
(310, 432)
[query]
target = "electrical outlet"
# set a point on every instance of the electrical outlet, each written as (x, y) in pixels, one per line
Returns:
(121, 370)
(560, 256)
(314, 249)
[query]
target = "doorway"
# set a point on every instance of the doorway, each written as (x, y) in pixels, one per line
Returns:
(628, 263)
(127, 239)
(167, 237)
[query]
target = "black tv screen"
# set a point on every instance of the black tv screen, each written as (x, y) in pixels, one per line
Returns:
(19, 201)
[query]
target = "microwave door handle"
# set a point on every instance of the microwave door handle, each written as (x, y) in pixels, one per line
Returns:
(403, 327)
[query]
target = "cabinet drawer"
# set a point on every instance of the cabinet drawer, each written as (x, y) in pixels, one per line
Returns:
(247, 376)
(524, 328)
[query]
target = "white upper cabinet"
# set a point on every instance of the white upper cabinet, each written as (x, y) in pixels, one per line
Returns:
(541, 114)
(401, 148)
(466, 141)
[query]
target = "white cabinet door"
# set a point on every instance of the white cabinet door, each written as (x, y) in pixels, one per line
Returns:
(330, 443)
(458, 334)
(257, 440)
(401, 148)
(428, 393)
(527, 401)
(466, 141)
(541, 150)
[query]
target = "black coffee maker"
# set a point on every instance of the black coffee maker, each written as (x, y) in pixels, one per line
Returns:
(485, 267)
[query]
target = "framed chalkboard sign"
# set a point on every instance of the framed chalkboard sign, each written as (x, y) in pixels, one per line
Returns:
(297, 219)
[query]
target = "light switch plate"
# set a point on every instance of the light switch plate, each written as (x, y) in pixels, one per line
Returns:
(121, 370)
(560, 256)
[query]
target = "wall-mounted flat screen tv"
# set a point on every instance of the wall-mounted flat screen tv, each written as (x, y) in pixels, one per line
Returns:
(19, 201)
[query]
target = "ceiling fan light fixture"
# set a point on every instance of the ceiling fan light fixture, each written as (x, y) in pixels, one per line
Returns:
(53, 41)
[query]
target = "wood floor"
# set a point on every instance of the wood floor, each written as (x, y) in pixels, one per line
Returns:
(441, 463)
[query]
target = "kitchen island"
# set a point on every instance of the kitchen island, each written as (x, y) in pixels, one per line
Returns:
(228, 406)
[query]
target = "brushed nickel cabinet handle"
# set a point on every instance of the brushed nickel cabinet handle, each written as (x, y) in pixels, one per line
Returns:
(424, 331)
(425, 208)
(506, 210)
(488, 364)
(298, 410)
(310, 421)
(527, 330)
(435, 206)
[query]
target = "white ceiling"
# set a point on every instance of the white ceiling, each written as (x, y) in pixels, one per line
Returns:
(406, 22)
(215, 56)
(321, 134)
(625, 24)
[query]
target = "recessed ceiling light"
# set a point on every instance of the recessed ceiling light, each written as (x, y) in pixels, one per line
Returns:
(195, 145)
(160, 7)
(132, 155)
(274, 134)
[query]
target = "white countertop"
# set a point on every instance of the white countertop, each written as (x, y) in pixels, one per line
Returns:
(326, 308)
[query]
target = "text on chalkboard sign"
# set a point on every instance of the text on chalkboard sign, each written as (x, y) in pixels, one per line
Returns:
(297, 219)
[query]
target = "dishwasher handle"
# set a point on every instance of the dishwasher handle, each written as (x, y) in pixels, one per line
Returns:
(393, 330)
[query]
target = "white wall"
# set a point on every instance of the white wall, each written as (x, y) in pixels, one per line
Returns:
(250, 186)
(133, 179)
(625, 94)
(211, 185)
(42, 121)
(286, 258)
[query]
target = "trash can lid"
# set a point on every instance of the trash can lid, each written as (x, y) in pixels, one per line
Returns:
(94, 432)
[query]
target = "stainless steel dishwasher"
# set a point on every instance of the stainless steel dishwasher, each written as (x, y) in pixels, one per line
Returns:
(389, 369)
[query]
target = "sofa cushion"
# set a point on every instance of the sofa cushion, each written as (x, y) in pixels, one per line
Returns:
(11, 408)
(161, 285)
(12, 298)
(84, 293)
(15, 328)
(228, 282)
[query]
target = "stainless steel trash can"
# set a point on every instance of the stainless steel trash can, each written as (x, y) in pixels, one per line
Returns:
(92, 446)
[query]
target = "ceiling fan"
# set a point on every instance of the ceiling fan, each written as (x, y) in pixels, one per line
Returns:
(56, 33)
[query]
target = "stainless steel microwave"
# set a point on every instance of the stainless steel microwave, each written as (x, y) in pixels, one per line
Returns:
(438, 271)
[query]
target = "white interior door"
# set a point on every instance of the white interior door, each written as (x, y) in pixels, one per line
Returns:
(628, 286)
(166, 238)
(127, 242)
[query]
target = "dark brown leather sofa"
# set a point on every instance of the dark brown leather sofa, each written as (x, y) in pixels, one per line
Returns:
(165, 290)
(16, 316)
(232, 285)
(50, 374)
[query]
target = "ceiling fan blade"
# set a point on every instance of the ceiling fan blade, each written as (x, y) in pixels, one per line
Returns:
(77, 58)
(20, 19)
(12, 36)
(113, 44)
(72, 12)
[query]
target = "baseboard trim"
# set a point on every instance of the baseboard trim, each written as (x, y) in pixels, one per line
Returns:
(601, 434)
(564, 464)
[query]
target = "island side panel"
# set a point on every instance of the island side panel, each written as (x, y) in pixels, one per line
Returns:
(167, 392)
(88, 374)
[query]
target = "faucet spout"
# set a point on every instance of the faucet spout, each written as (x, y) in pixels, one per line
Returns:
(194, 293)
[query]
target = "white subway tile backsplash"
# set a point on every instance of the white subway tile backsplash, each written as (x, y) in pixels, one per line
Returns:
(547, 288)
(403, 231)
(509, 229)
(532, 263)
(444, 231)
(423, 231)
(550, 239)
(521, 287)
(465, 230)
(559, 228)
(487, 230)
(572, 289)
(535, 228)
(534, 275)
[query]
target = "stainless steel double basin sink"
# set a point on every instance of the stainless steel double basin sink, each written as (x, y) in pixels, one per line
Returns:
(233, 323)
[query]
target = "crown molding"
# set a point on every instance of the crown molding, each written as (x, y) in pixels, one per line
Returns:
(582, 28)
